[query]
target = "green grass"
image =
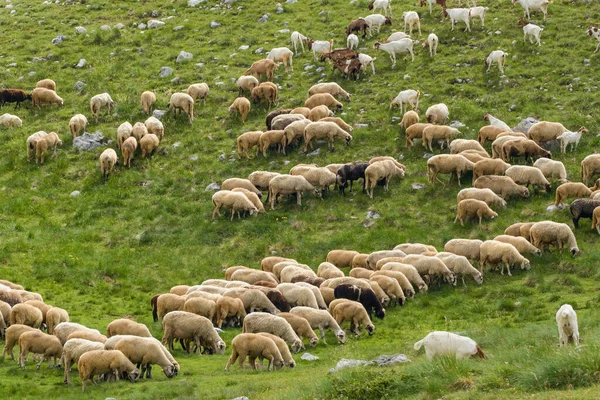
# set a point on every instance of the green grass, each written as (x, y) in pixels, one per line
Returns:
(103, 254)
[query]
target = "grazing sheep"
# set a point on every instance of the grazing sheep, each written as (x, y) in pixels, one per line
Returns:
(65, 329)
(280, 122)
(268, 263)
(198, 91)
(583, 208)
(11, 338)
(500, 140)
(438, 132)
(182, 102)
(320, 319)
(472, 208)
(519, 229)
(305, 111)
(381, 170)
(166, 303)
(148, 99)
(328, 270)
(72, 352)
(501, 185)
(524, 175)
(266, 91)
(409, 97)
(490, 133)
(295, 131)
(493, 252)
(253, 299)
(590, 166)
(447, 164)
(464, 247)
(431, 267)
(447, 343)
(145, 353)
(350, 173)
(246, 83)
(251, 276)
(265, 322)
(411, 18)
(38, 342)
(553, 233)
(87, 335)
(247, 141)
(108, 160)
(100, 101)
(231, 183)
(254, 346)
(596, 219)
(10, 121)
(124, 131)
(437, 114)
(498, 57)
(320, 130)
(77, 124)
(25, 295)
(191, 327)
(273, 137)
(359, 261)
(43, 96)
(253, 197)
(297, 295)
(326, 99)
(290, 271)
(460, 266)
(485, 195)
(50, 141)
(376, 256)
(40, 305)
(236, 202)
(47, 83)
(415, 131)
(282, 347)
(415, 248)
(262, 67)
(154, 126)
(354, 312)
(366, 296)
(103, 362)
(139, 130)
(552, 169)
(570, 190)
(568, 330)
(319, 112)
(391, 288)
(301, 327)
(128, 150)
(401, 278)
(242, 105)
(125, 326)
(341, 258)
(229, 307)
(459, 145)
(149, 144)
(26, 314)
(321, 178)
(408, 119)
(545, 131)
(520, 243)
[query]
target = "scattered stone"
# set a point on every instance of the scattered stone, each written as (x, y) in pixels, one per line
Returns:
(368, 223)
(284, 30)
(498, 32)
(38, 59)
(286, 162)
(361, 125)
(119, 26)
(165, 71)
(158, 114)
(81, 63)
(142, 26)
(320, 69)
(80, 29)
(418, 186)
(78, 85)
(200, 65)
(194, 3)
(259, 50)
(551, 208)
(314, 153)
(457, 124)
(177, 81)
(59, 39)
(291, 1)
(90, 141)
(193, 158)
(153, 23)
(372, 215)
(184, 55)
(12, 65)
(406, 76)
(322, 13)
(244, 47)
(75, 193)
(381, 361)
(222, 157)
(524, 125)
(427, 155)
(176, 145)
(105, 28)
(219, 83)
(31, 73)
(178, 28)
(279, 10)
(214, 24)
(512, 107)
(154, 14)
(264, 18)
(309, 357)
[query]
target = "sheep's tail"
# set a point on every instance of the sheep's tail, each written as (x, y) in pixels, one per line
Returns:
(418, 345)
(480, 352)
(153, 303)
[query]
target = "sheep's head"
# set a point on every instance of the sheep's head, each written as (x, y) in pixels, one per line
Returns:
(537, 252)
(376, 45)
(423, 287)
(526, 265)
(380, 313)
(297, 345)
(314, 341)
(221, 347)
(388, 21)
(133, 375)
(254, 211)
(525, 193)
(478, 278)
(521, 22)
(426, 43)
(170, 371)
(400, 301)
(370, 5)
(28, 97)
(370, 329)
(493, 215)
(348, 139)
(575, 251)
(341, 337)
(451, 278)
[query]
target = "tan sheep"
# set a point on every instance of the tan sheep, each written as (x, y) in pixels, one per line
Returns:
(254, 346)
(402, 280)
(47, 83)
(38, 342)
(489, 132)
(191, 327)
(124, 131)
(473, 208)
(102, 362)
(460, 266)
(515, 229)
(282, 347)
(108, 160)
(15, 286)
(11, 338)
(262, 67)
(305, 111)
(128, 150)
(252, 275)
(265, 322)
(246, 83)
(4, 317)
(295, 131)
(273, 137)
(493, 252)
(229, 271)
(341, 258)
(596, 219)
(328, 270)
(415, 131)
(503, 186)
(148, 99)
(155, 126)
(359, 261)
(520, 243)
(552, 169)
(323, 99)
(409, 119)
(10, 121)
(26, 314)
(491, 166)
(545, 131)
(100, 101)
(253, 299)
(321, 178)
(376, 256)
(145, 353)
(485, 195)
(43, 96)
(231, 183)
(339, 122)
(166, 303)
(547, 233)
(266, 91)
(320, 319)
(383, 158)
(314, 287)
(291, 271)
(524, 175)
(77, 124)
(473, 156)
(40, 305)
(523, 148)
(379, 170)
(50, 141)
(329, 87)
(319, 112)
(234, 201)
(198, 91)
(281, 121)
(229, 307)
(327, 293)
(87, 335)
(447, 164)
(26, 295)
(590, 166)
(386, 260)
(241, 105)
(247, 141)
(149, 144)
(431, 267)
(253, 197)
(512, 134)
(64, 330)
(437, 114)
(459, 145)
(289, 184)
(297, 295)
(72, 352)
(301, 326)
(468, 248)
(499, 142)
(320, 130)
(571, 190)
(354, 312)
(182, 102)
(438, 132)
(126, 326)
(391, 287)
(268, 263)
(139, 130)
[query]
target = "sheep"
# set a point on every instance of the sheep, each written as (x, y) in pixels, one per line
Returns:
(72, 352)
(460, 266)
(438, 132)
(128, 150)
(447, 343)
(318, 177)
(571, 138)
(253, 197)
(282, 54)
(99, 362)
(26, 314)
(254, 346)
(124, 131)
(290, 271)
(409, 97)
(350, 173)
(553, 233)
(15, 286)
(493, 252)
(154, 126)
(264, 322)
(415, 248)
(100, 101)
(324, 129)
(501, 185)
(596, 219)
(198, 91)
(375, 21)
(522, 245)
(320, 47)
(148, 99)
(165, 303)
(384, 5)
(352, 41)
(475, 12)
(552, 169)
(431, 267)
(229, 307)
(38, 342)
(10, 297)
(252, 299)
(125, 326)
(47, 83)
(485, 195)
(339, 122)
(43, 96)
(246, 83)
(305, 111)
(533, 5)
(458, 15)
(252, 275)
(149, 143)
(408, 119)
(401, 278)
(49, 141)
(146, 353)
(431, 42)
(489, 132)
(391, 287)
(11, 338)
(4, 317)
(500, 141)
(326, 99)
(262, 67)
(25, 295)
(261, 179)
(464, 247)
(182, 102)
(531, 30)
(519, 229)
(10, 121)
(498, 57)
(281, 122)
(108, 160)
(568, 330)
(268, 263)
(282, 347)
(354, 312)
(298, 39)
(187, 326)
(231, 200)
(65, 329)
(545, 131)
(87, 335)
(583, 208)
(447, 164)
(301, 327)
(241, 105)
(139, 130)
(415, 131)
(328, 270)
(437, 114)
(232, 183)
(319, 112)
(396, 47)
(459, 145)
(359, 261)
(77, 124)
(266, 91)
(411, 18)
(524, 175)
(523, 147)
(341, 258)
(40, 305)
(472, 208)
(430, 3)
(320, 319)
(569, 190)
(379, 170)
(361, 291)
(272, 137)
(590, 166)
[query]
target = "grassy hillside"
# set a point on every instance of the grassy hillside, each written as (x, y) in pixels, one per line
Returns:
(102, 255)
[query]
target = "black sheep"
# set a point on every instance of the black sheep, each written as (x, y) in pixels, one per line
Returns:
(583, 208)
(351, 172)
(366, 297)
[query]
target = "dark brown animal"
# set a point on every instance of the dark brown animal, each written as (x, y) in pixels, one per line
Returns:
(358, 25)
(13, 96)
(273, 114)
(440, 2)
(340, 55)
(349, 68)
(523, 148)
(313, 280)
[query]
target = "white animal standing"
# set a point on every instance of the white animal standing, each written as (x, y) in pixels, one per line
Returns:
(409, 97)
(568, 329)
(498, 57)
(374, 21)
(478, 12)
(298, 39)
(532, 31)
(459, 15)
(321, 47)
(533, 5)
(411, 18)
(366, 60)
(496, 122)
(396, 47)
(594, 32)
(439, 343)
(431, 41)
(352, 41)
(571, 138)
(381, 5)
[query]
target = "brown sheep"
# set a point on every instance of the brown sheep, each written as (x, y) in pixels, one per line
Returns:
(265, 91)
(242, 105)
(523, 148)
(262, 67)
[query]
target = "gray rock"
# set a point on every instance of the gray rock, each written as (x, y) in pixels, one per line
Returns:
(178, 28)
(78, 85)
(259, 50)
(551, 146)
(153, 23)
(524, 125)
(244, 47)
(110, 398)
(158, 114)
(75, 193)
(176, 145)
(184, 55)
(241, 398)
(309, 357)
(80, 30)
(194, 158)
(291, 1)
(154, 14)
(284, 30)
(59, 39)
(177, 81)
(314, 153)
(90, 141)
(407, 76)
(119, 26)
(457, 124)
(222, 157)
(551, 208)
(214, 24)
(264, 18)
(320, 69)
(81, 63)
(427, 155)
(165, 71)
(200, 65)
(381, 361)
(347, 363)
(105, 28)
(142, 26)
(194, 3)
(372, 215)
(512, 107)
(361, 125)
(11, 65)
(386, 361)
(38, 59)
(31, 73)
(368, 223)
(418, 186)
(219, 83)
(279, 10)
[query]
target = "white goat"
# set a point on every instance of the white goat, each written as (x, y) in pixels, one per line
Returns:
(458, 15)
(396, 36)
(396, 47)
(531, 30)
(496, 122)
(478, 12)
(409, 97)
(568, 330)
(374, 21)
(298, 39)
(533, 5)
(282, 54)
(411, 18)
(352, 41)
(571, 138)
(498, 57)
(365, 61)
(595, 32)
(430, 3)
(432, 42)
(321, 47)
(381, 5)
(441, 343)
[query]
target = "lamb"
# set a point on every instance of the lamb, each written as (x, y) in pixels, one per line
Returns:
(124, 131)
(363, 294)
(524, 175)
(533, 5)
(354, 312)
(77, 124)
(431, 267)
(187, 326)
(409, 97)
(328, 270)
(11, 338)
(182, 102)
(262, 67)
(320, 319)
(125, 326)
(568, 330)
(253, 299)
(47, 83)
(154, 126)
(128, 149)
(464, 247)
(10, 121)
(391, 287)
(50, 141)
(411, 18)
(108, 160)
(375, 21)
(396, 47)
(38, 342)
(266, 91)
(460, 265)
(583, 208)
(447, 343)
(241, 105)
(414, 131)
(326, 99)
(301, 327)
(545, 131)
(246, 82)
(247, 141)
(99, 362)
(146, 353)
(431, 42)
(43, 96)
(493, 252)
(149, 144)
(320, 47)
(458, 15)
(72, 352)
(359, 261)
(198, 91)
(501, 185)
(26, 314)
(148, 99)
(498, 57)
(408, 119)
(571, 138)
(324, 129)
(531, 30)
(321, 178)
(570, 190)
(352, 41)
(447, 164)
(264, 322)
(100, 101)
(341, 258)
(379, 170)
(437, 114)
(472, 208)
(552, 169)
(254, 346)
(282, 54)
(319, 112)
(553, 233)
(485, 195)
(229, 307)
(590, 166)
(489, 132)
(231, 200)
(522, 245)
(298, 39)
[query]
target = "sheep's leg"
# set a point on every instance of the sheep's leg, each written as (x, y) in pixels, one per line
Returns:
(412, 55)
(452, 21)
(597, 47)
(419, 26)
(299, 198)
(463, 280)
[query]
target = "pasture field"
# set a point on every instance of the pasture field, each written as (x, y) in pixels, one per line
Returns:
(103, 254)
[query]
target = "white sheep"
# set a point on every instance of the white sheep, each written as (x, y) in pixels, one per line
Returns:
(432, 42)
(145, 353)
(65, 329)
(324, 129)
(298, 295)
(473, 208)
(282, 54)
(447, 343)
(182, 102)
(254, 346)
(590, 166)
(77, 124)
(486, 195)
(366, 60)
(329, 87)
(379, 170)
(409, 97)
(352, 41)
(458, 15)
(568, 330)
(440, 133)
(552, 169)
(437, 114)
(546, 233)
(532, 31)
(464, 247)
(460, 266)
(108, 160)
(411, 18)
(321, 47)
(247, 82)
(396, 36)
(321, 178)
(289, 184)
(124, 131)
(328, 270)
(431, 267)
(198, 91)
(496, 122)
(525, 175)
(72, 352)
(10, 121)
(478, 12)
(320, 319)
(264, 322)
(520, 243)
(375, 21)
(100, 101)
(148, 99)
(232, 200)
(409, 271)
(104, 362)
(192, 327)
(494, 252)
(498, 57)
(396, 47)
(41, 96)
(571, 138)
(298, 39)
(533, 5)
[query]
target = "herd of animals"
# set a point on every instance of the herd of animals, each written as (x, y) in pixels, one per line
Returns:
(280, 306)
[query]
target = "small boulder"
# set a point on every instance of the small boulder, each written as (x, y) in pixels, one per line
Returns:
(80, 29)
(524, 125)
(59, 39)
(105, 28)
(78, 85)
(214, 24)
(153, 23)
(75, 193)
(264, 18)
(158, 114)
(212, 187)
(309, 357)
(184, 55)
(165, 71)
(90, 141)
(81, 63)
